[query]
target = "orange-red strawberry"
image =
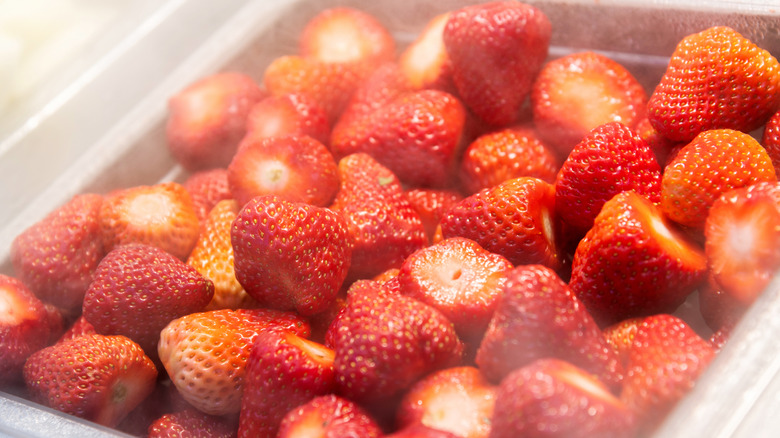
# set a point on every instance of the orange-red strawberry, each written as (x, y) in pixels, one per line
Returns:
(713, 163)
(207, 119)
(505, 154)
(205, 354)
(56, 256)
(191, 423)
(95, 377)
(297, 168)
(716, 79)
(206, 188)
(288, 114)
(425, 62)
(633, 262)
(290, 255)
(431, 204)
(718, 308)
(496, 50)
(576, 93)
(663, 148)
(161, 215)
(611, 159)
(771, 140)
(329, 416)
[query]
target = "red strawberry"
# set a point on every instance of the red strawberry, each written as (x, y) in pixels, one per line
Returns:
(771, 141)
(138, 289)
(557, 399)
(205, 354)
(328, 416)
(576, 93)
(385, 342)
(460, 279)
(291, 255)
(458, 400)
(206, 120)
(515, 219)
(113, 374)
(206, 188)
(506, 154)
(283, 371)
(496, 50)
(288, 114)
(538, 316)
(56, 256)
(191, 423)
(431, 204)
(421, 431)
(633, 262)
(715, 79)
(425, 62)
(713, 163)
(621, 336)
(79, 328)
(162, 215)
(381, 87)
(611, 159)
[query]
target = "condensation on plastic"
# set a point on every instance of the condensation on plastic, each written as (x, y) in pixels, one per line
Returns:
(106, 131)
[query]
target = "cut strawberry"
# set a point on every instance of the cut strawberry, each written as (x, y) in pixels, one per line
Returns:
(328, 416)
(425, 62)
(288, 114)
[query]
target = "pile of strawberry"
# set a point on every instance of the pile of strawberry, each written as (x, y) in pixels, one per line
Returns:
(466, 240)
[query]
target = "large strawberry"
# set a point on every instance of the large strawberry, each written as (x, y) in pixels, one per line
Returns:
(329, 416)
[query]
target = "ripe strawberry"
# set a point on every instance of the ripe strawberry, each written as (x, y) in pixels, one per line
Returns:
(113, 376)
(771, 141)
(206, 188)
(384, 226)
(576, 93)
(620, 336)
(138, 289)
(611, 159)
(458, 400)
(291, 255)
(161, 215)
(633, 262)
(515, 219)
(205, 354)
(79, 328)
(425, 62)
(665, 360)
(713, 163)
(421, 431)
(506, 154)
(191, 423)
(716, 79)
(381, 87)
(496, 50)
(206, 120)
(558, 399)
(328, 416)
(56, 256)
(283, 371)
(431, 204)
(538, 316)
(288, 114)
(385, 342)
(460, 279)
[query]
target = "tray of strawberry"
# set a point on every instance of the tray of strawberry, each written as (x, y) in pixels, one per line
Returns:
(444, 219)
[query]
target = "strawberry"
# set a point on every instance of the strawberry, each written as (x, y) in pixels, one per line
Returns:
(290, 255)
(297, 168)
(665, 360)
(79, 328)
(716, 79)
(385, 342)
(742, 240)
(611, 159)
(206, 189)
(138, 289)
(771, 141)
(431, 204)
(620, 336)
(425, 62)
(206, 120)
(558, 399)
(191, 423)
(113, 374)
(421, 431)
(162, 215)
(283, 371)
(383, 224)
(714, 162)
(328, 416)
(288, 114)
(382, 86)
(496, 50)
(506, 154)
(515, 219)
(633, 262)
(56, 256)
(458, 400)
(576, 93)
(538, 316)
(460, 279)
(205, 354)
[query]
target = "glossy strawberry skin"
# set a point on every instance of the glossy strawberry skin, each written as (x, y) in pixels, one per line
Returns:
(329, 416)
(288, 114)
(771, 140)
(191, 422)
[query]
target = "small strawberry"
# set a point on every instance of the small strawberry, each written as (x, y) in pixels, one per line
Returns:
(328, 416)
(206, 120)
(283, 371)
(557, 399)
(161, 215)
(771, 141)
(113, 376)
(191, 423)
(716, 79)
(205, 354)
(79, 328)
(290, 255)
(288, 114)
(206, 188)
(496, 50)
(431, 204)
(425, 62)
(713, 163)
(56, 256)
